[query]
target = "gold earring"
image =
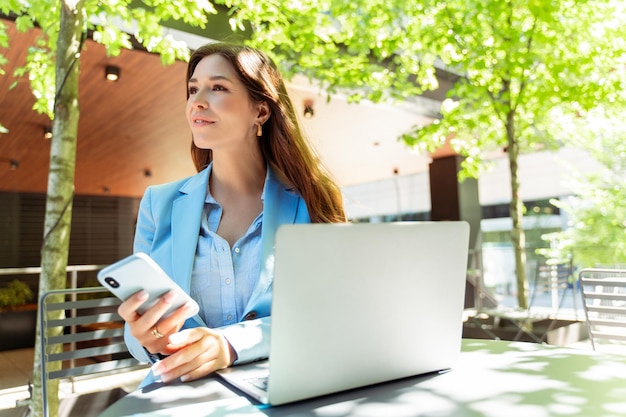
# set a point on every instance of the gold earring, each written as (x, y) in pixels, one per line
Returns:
(259, 130)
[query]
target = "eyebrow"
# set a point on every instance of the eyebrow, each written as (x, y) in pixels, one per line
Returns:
(212, 78)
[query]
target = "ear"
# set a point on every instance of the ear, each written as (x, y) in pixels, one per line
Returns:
(263, 112)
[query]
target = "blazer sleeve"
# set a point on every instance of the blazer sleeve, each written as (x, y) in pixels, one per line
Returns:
(144, 234)
(146, 225)
(250, 339)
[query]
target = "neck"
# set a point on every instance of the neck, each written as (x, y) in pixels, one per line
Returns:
(238, 176)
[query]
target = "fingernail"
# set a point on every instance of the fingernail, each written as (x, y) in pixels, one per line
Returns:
(169, 296)
(156, 369)
(177, 338)
(142, 295)
(185, 378)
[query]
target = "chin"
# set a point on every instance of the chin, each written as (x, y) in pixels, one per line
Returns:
(203, 143)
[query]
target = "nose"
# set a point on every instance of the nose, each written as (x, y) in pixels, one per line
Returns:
(199, 104)
(198, 101)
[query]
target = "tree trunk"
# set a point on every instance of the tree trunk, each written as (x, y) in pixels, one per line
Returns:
(517, 213)
(56, 239)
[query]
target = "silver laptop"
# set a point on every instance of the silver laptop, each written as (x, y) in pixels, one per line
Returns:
(359, 304)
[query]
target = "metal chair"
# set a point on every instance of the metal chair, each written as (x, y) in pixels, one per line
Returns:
(555, 280)
(604, 301)
(82, 334)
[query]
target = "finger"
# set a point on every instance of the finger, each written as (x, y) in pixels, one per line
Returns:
(152, 315)
(128, 308)
(179, 340)
(186, 337)
(202, 371)
(177, 364)
(144, 327)
(199, 358)
(201, 363)
(172, 323)
(221, 360)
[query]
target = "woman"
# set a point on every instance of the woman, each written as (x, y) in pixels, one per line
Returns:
(213, 233)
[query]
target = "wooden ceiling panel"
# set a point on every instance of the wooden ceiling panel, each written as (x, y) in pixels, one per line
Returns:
(126, 128)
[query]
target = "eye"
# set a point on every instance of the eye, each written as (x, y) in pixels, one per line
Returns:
(218, 87)
(192, 90)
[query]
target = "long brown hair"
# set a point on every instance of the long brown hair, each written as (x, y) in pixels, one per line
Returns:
(283, 144)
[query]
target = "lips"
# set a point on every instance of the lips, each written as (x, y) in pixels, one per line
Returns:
(197, 120)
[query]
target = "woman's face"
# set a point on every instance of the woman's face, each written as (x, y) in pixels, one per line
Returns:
(219, 110)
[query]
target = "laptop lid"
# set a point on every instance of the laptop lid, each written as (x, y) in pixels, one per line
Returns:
(359, 304)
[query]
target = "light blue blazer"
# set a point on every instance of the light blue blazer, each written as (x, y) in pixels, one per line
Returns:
(168, 227)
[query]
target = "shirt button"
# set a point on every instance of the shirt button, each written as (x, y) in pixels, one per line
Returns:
(229, 317)
(228, 281)
(237, 250)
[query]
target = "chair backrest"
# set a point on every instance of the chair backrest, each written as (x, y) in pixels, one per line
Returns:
(551, 277)
(604, 300)
(83, 334)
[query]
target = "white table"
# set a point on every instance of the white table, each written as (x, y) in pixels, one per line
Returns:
(491, 379)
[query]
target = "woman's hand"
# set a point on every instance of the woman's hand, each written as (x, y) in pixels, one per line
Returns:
(144, 326)
(198, 352)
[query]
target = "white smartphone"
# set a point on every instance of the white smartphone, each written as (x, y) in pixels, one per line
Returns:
(139, 272)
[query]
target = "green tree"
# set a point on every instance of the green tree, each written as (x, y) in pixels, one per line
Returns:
(53, 66)
(596, 235)
(519, 61)
(521, 64)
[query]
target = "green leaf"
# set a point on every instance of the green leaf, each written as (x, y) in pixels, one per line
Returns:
(24, 23)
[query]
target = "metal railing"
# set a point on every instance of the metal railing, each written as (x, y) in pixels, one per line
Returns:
(72, 270)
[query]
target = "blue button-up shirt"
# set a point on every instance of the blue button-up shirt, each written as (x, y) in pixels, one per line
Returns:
(223, 277)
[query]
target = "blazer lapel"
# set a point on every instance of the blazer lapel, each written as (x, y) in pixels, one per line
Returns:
(280, 207)
(187, 212)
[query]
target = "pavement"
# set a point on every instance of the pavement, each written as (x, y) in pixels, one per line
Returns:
(15, 373)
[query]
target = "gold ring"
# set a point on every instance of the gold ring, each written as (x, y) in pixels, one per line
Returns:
(156, 333)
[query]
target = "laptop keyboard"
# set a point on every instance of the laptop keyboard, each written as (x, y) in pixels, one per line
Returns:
(259, 382)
